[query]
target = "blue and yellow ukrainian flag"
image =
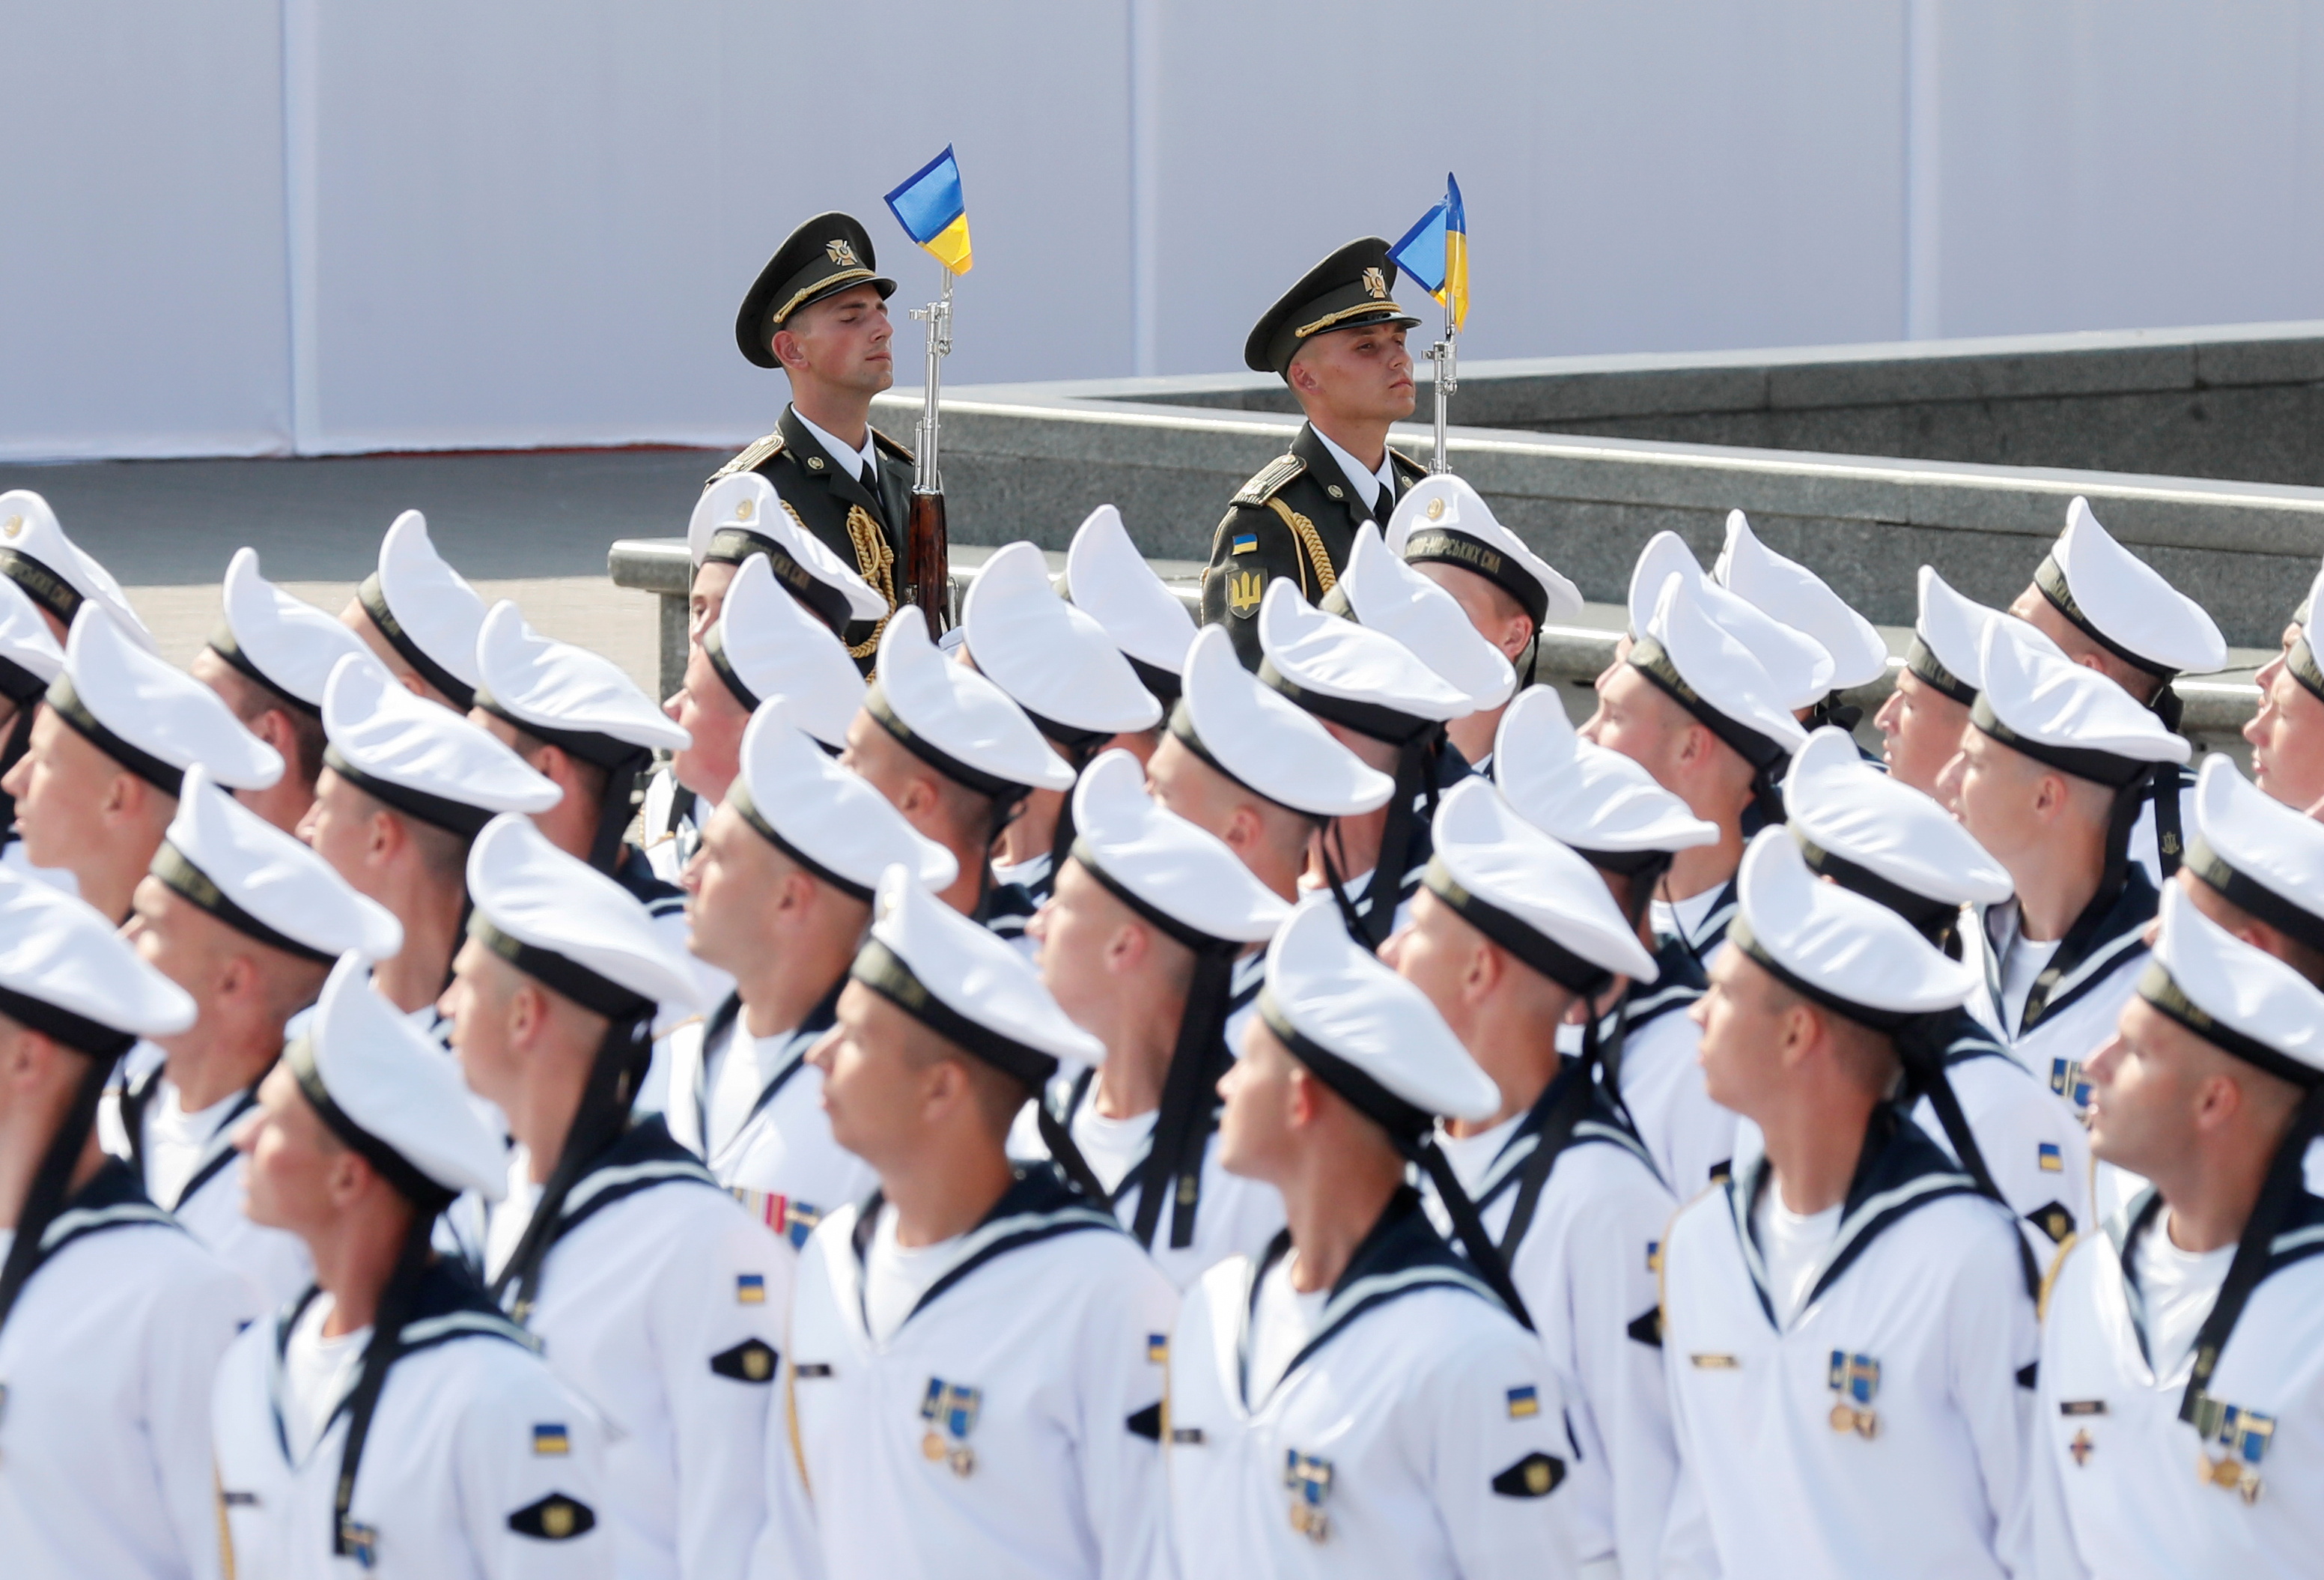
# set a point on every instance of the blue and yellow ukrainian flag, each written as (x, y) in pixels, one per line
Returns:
(1435, 253)
(933, 212)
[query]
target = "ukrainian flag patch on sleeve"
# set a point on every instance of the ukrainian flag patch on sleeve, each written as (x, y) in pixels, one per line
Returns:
(750, 1289)
(1524, 1401)
(548, 1439)
(1158, 1349)
(1246, 544)
(2054, 1162)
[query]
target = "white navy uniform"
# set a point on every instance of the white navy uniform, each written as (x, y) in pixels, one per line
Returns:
(1009, 1425)
(1418, 1430)
(2076, 999)
(1690, 1138)
(105, 1363)
(478, 1462)
(196, 1177)
(668, 832)
(2035, 1149)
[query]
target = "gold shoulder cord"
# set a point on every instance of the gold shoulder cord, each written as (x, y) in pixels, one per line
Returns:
(1305, 531)
(2049, 1278)
(791, 1420)
(225, 1531)
(877, 562)
(754, 455)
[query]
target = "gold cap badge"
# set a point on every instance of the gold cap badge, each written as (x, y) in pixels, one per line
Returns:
(743, 507)
(12, 526)
(1436, 508)
(1376, 284)
(842, 252)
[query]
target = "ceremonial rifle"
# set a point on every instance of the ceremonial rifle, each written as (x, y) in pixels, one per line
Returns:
(927, 555)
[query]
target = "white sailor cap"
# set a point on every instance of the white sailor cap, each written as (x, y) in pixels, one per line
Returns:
(1528, 894)
(30, 658)
(954, 719)
(1700, 663)
(1053, 660)
(825, 817)
(767, 644)
(1833, 945)
(567, 695)
(223, 858)
(740, 515)
(1381, 593)
(1599, 802)
(1876, 834)
(1799, 671)
(148, 714)
(1789, 592)
(383, 1087)
(1350, 674)
(1181, 878)
(420, 759)
(2241, 999)
(1265, 742)
(568, 925)
(1110, 581)
(286, 644)
(2258, 853)
(1443, 521)
(966, 983)
(55, 572)
(1949, 633)
(67, 973)
(2066, 714)
(426, 610)
(2122, 604)
(1366, 1032)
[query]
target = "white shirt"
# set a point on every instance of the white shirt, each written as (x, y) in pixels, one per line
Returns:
(317, 1373)
(895, 1276)
(176, 1139)
(1281, 1327)
(2024, 961)
(2179, 1287)
(1791, 1244)
(740, 1066)
(1110, 1145)
(849, 460)
(1367, 482)
(1683, 918)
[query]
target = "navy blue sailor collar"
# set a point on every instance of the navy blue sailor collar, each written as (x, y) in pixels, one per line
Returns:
(644, 1157)
(2300, 1236)
(1039, 1204)
(2086, 957)
(1601, 1119)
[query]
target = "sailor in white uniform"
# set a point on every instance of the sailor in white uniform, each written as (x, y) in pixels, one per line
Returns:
(2256, 867)
(2287, 732)
(112, 1317)
(418, 616)
(1109, 580)
(30, 659)
(269, 661)
(1384, 704)
(1139, 944)
(2109, 611)
(1510, 931)
(780, 893)
(1922, 721)
(1613, 815)
(655, 1298)
(390, 1420)
(954, 754)
(406, 786)
(1696, 707)
(1360, 1398)
(2179, 1416)
(975, 1380)
(2049, 776)
(1444, 530)
(1785, 590)
(58, 574)
(248, 921)
(1057, 663)
(97, 783)
(1847, 1324)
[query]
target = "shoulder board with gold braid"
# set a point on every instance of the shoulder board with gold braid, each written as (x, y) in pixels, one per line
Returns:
(1270, 479)
(758, 454)
(1412, 470)
(890, 446)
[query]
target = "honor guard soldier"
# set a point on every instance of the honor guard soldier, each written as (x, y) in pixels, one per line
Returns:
(99, 783)
(2049, 778)
(2111, 612)
(2256, 868)
(1867, 831)
(1847, 1323)
(1139, 944)
(818, 311)
(1359, 1399)
(1509, 932)
(268, 661)
(2176, 1426)
(977, 1354)
(1444, 530)
(248, 921)
(406, 785)
(389, 1419)
(30, 662)
(655, 1298)
(112, 1317)
(56, 573)
(1111, 582)
(1694, 708)
(779, 895)
(1379, 699)
(1059, 664)
(1609, 811)
(952, 753)
(1785, 590)
(419, 617)
(1922, 721)
(1337, 340)
(2287, 733)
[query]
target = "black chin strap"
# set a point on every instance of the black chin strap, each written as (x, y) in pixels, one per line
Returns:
(1416, 778)
(1921, 1044)
(388, 1319)
(1182, 1128)
(1467, 1226)
(1568, 1102)
(2122, 817)
(619, 805)
(51, 1185)
(1067, 1155)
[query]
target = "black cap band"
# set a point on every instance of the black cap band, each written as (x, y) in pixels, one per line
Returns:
(740, 797)
(2302, 661)
(1193, 937)
(392, 1166)
(1443, 546)
(228, 646)
(876, 704)
(1182, 726)
(19, 684)
(442, 812)
(714, 647)
(2050, 578)
(1922, 660)
(2159, 988)
(592, 746)
(188, 881)
(733, 545)
(1165, 684)
(1512, 932)
(1740, 935)
(374, 603)
(2254, 895)
(1652, 659)
(598, 994)
(1923, 912)
(1377, 720)
(65, 702)
(1409, 1125)
(886, 972)
(45, 586)
(2106, 768)
(77, 1032)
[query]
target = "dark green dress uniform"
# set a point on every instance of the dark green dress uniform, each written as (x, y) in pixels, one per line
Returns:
(1297, 517)
(860, 521)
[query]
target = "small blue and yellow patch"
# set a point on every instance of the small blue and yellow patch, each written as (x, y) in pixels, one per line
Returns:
(548, 1439)
(1246, 544)
(1158, 1349)
(2054, 1162)
(1654, 1256)
(1524, 1401)
(750, 1289)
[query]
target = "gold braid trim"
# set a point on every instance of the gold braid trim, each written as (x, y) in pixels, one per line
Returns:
(877, 562)
(1305, 531)
(224, 1530)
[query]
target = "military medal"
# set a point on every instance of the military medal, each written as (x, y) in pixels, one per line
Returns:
(2245, 1435)
(1856, 1380)
(1308, 1479)
(950, 1411)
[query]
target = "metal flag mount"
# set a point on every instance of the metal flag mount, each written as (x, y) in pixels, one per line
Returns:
(928, 205)
(1435, 253)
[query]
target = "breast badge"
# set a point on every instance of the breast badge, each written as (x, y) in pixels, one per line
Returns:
(2065, 1079)
(1245, 588)
(1855, 1384)
(949, 1411)
(2242, 1436)
(1308, 1480)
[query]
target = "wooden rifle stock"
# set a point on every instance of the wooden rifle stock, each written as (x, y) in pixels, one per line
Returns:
(927, 561)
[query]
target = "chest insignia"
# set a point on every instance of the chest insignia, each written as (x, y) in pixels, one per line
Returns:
(548, 1439)
(1245, 588)
(793, 1220)
(1855, 1384)
(555, 1518)
(1308, 1480)
(1158, 1349)
(2242, 1436)
(361, 1542)
(2080, 1447)
(1335, 491)
(750, 1289)
(1537, 1475)
(1706, 1361)
(949, 1411)
(751, 1361)
(1246, 544)
(2066, 1081)
(1524, 1401)
(2051, 1159)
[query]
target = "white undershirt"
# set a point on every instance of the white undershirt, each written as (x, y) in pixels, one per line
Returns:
(853, 460)
(512, 1213)
(1028, 871)
(895, 1277)
(1472, 1156)
(739, 1071)
(176, 1139)
(1111, 1145)
(1366, 482)
(1683, 918)
(316, 1373)
(2022, 961)
(2179, 1287)
(1790, 1244)
(1281, 1327)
